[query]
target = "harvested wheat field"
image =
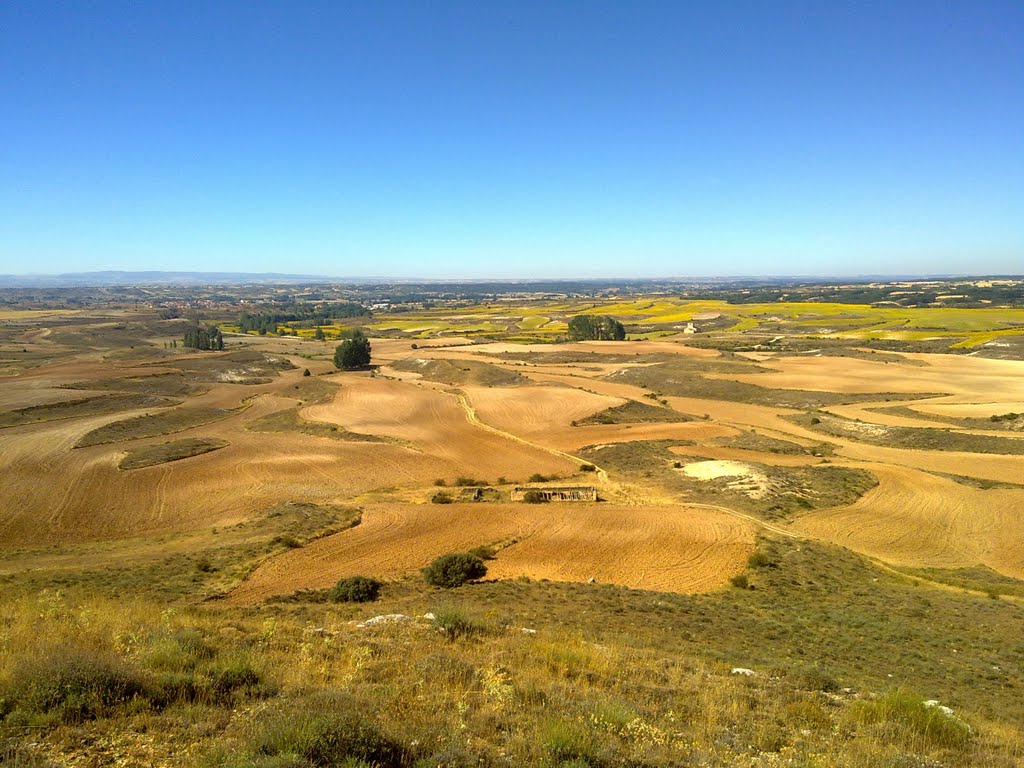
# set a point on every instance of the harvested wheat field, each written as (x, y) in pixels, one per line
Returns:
(369, 438)
(670, 549)
(941, 374)
(917, 519)
(677, 549)
(434, 423)
(90, 498)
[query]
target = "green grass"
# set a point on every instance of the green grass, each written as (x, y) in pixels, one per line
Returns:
(243, 367)
(978, 578)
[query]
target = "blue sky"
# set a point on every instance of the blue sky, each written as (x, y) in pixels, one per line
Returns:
(513, 139)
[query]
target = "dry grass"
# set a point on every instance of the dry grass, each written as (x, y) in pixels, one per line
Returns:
(80, 408)
(915, 438)
(634, 412)
(176, 450)
(606, 676)
(153, 425)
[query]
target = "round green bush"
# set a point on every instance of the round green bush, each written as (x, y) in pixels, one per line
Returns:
(454, 570)
(356, 589)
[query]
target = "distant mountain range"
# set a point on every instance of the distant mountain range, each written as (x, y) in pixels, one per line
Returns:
(126, 278)
(114, 277)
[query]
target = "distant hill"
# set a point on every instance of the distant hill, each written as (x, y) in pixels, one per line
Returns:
(114, 277)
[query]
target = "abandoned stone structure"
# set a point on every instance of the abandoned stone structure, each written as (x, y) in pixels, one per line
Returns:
(559, 493)
(479, 494)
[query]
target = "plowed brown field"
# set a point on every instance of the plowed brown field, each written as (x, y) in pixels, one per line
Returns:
(670, 548)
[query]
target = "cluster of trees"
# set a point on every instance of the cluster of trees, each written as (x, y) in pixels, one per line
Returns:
(353, 352)
(596, 327)
(261, 323)
(307, 314)
(202, 337)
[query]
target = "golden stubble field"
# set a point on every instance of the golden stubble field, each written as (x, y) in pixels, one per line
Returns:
(927, 509)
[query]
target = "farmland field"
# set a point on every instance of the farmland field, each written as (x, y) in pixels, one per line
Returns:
(783, 450)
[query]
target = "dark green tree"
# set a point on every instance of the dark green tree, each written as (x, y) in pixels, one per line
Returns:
(353, 352)
(596, 328)
(202, 337)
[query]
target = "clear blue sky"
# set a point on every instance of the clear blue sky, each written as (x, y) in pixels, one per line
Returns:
(513, 139)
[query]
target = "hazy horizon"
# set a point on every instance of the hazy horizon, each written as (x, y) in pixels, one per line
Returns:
(548, 141)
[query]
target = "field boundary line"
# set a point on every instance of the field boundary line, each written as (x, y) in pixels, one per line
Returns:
(473, 418)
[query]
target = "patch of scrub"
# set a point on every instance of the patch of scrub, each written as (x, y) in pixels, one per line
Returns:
(747, 479)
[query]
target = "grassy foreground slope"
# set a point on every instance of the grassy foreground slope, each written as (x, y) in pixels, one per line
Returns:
(122, 651)
(844, 657)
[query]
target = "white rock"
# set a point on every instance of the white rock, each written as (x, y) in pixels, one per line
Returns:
(934, 704)
(743, 671)
(429, 616)
(388, 618)
(527, 631)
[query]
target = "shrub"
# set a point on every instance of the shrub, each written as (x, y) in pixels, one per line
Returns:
(455, 624)
(537, 477)
(534, 497)
(328, 736)
(483, 552)
(759, 559)
(440, 483)
(356, 589)
(567, 743)
(454, 570)
(907, 718)
(740, 581)
(814, 679)
(71, 684)
(180, 652)
(235, 675)
(588, 468)
(465, 482)
(441, 498)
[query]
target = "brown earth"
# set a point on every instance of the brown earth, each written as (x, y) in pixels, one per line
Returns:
(53, 493)
(669, 548)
